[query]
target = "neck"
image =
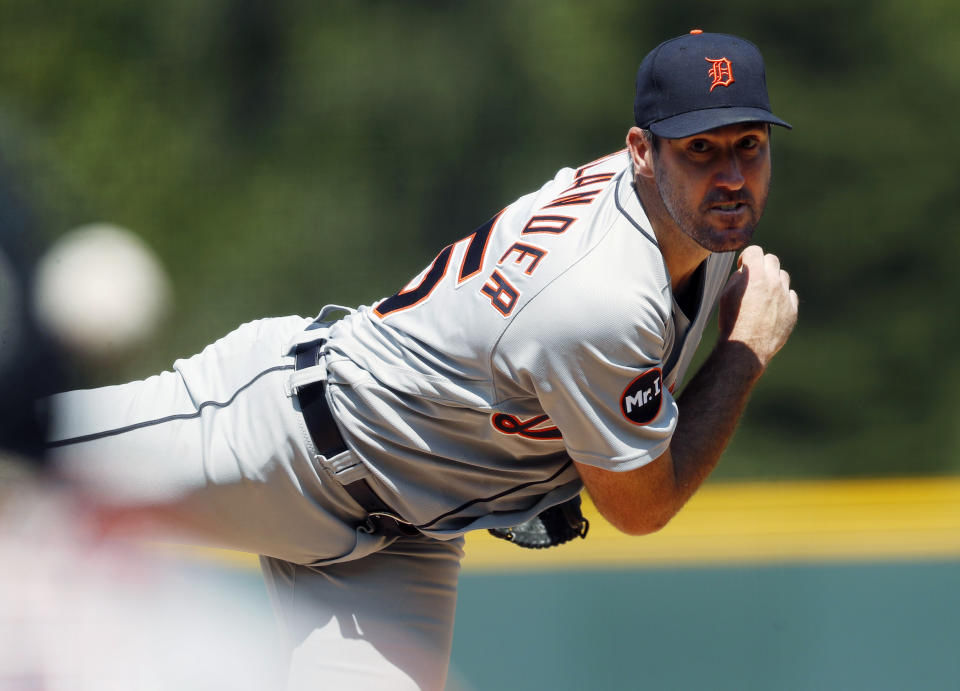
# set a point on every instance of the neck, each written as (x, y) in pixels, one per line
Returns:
(680, 253)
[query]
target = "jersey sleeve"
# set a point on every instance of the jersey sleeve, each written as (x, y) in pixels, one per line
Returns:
(591, 349)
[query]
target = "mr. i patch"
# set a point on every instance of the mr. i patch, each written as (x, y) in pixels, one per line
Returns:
(640, 402)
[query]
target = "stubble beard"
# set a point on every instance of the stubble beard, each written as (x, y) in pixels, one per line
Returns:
(694, 223)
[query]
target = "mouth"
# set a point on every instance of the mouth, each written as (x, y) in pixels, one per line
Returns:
(729, 208)
(730, 215)
(726, 203)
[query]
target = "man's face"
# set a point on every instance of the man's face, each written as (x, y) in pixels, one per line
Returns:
(715, 184)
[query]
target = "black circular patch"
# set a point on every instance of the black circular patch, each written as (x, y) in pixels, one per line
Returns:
(641, 400)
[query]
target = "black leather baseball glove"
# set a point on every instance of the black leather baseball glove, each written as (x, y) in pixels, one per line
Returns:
(553, 526)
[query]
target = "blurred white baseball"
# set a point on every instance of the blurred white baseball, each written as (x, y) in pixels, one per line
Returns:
(100, 290)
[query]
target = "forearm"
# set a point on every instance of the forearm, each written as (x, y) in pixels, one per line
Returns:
(644, 500)
(758, 310)
(710, 407)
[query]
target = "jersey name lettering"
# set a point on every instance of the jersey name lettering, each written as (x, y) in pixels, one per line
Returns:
(547, 224)
(584, 180)
(523, 251)
(573, 199)
(502, 294)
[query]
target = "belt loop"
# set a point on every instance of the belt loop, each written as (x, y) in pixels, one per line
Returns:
(308, 354)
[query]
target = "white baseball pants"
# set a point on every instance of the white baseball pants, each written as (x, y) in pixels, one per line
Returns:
(215, 452)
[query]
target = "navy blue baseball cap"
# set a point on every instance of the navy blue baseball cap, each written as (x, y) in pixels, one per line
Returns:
(699, 81)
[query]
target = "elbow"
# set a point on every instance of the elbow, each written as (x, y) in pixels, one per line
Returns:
(643, 524)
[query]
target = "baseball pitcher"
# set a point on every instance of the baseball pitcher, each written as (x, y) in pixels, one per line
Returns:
(539, 354)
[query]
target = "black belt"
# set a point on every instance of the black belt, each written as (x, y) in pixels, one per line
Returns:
(381, 519)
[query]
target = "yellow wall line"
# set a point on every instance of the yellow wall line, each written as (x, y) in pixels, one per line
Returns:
(901, 518)
(751, 522)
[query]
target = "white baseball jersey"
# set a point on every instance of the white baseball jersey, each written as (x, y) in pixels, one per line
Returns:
(549, 333)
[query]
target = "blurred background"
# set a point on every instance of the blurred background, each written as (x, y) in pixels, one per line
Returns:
(279, 155)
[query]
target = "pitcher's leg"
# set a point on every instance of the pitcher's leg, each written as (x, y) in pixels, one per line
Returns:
(381, 622)
(215, 448)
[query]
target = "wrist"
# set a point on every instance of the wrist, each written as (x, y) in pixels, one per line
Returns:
(737, 357)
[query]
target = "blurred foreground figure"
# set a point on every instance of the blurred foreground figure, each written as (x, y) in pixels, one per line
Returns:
(78, 611)
(536, 356)
(28, 369)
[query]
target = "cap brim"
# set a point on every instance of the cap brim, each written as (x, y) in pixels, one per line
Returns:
(697, 121)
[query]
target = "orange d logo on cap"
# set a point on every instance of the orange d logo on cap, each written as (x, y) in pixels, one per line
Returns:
(721, 72)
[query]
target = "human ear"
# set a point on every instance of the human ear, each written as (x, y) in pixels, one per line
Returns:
(641, 152)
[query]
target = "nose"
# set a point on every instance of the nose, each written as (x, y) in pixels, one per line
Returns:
(729, 175)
